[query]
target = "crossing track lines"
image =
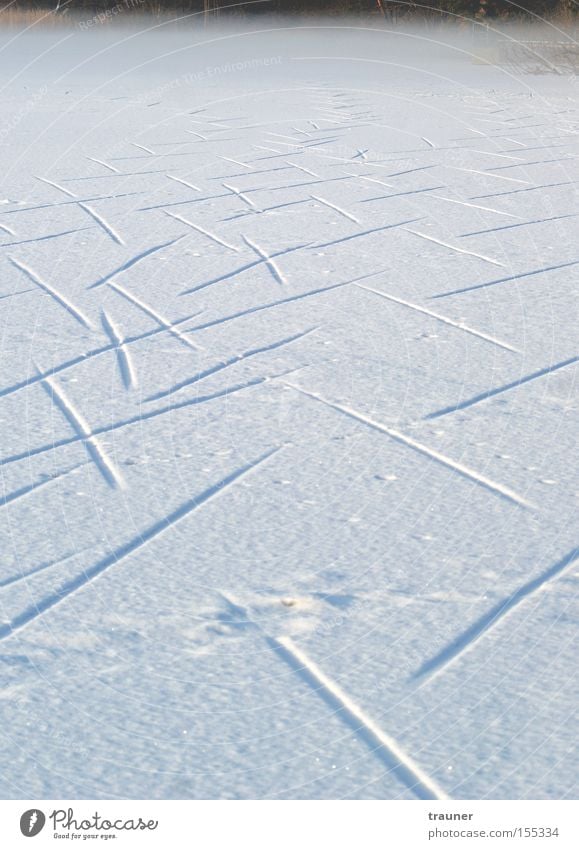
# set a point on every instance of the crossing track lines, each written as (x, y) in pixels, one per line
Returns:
(521, 276)
(135, 260)
(106, 467)
(54, 293)
(69, 588)
(464, 471)
(459, 325)
(462, 644)
(232, 361)
(212, 236)
(506, 387)
(126, 367)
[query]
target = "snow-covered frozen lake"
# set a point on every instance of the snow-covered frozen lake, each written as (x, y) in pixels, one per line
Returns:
(288, 418)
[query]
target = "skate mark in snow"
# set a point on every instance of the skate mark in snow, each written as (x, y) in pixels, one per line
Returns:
(453, 247)
(507, 387)
(281, 136)
(236, 162)
(217, 124)
(321, 182)
(46, 287)
(23, 576)
(141, 417)
(399, 764)
(522, 224)
(7, 230)
(231, 274)
(166, 204)
(317, 245)
(278, 153)
(132, 158)
(304, 170)
(495, 616)
(520, 276)
(432, 454)
(538, 147)
(70, 202)
(384, 747)
(514, 141)
(83, 358)
(14, 295)
(371, 180)
(170, 326)
(254, 173)
(125, 363)
(336, 208)
(234, 316)
(184, 183)
(473, 206)
(17, 494)
(173, 143)
(110, 231)
(265, 209)
(531, 189)
(535, 162)
(401, 194)
(276, 272)
(488, 174)
(492, 153)
(135, 261)
(241, 195)
(200, 229)
(225, 364)
(407, 171)
(46, 238)
(457, 324)
(105, 466)
(199, 135)
(142, 539)
(347, 125)
(142, 147)
(120, 174)
(104, 164)
(57, 186)
(300, 147)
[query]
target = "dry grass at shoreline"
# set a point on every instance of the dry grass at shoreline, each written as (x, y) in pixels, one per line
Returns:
(21, 18)
(127, 12)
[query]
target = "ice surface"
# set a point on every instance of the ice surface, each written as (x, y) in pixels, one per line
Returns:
(288, 417)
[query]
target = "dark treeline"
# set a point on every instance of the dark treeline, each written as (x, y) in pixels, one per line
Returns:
(387, 9)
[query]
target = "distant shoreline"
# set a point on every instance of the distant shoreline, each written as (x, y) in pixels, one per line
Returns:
(563, 13)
